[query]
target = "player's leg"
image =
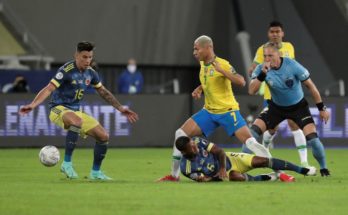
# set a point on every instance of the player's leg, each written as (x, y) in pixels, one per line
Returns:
(268, 136)
(100, 150)
(241, 163)
(69, 120)
(310, 132)
(300, 142)
(278, 164)
(318, 149)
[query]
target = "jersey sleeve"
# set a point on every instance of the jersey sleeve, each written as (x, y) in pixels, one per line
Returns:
(258, 59)
(226, 66)
(301, 73)
(59, 77)
(256, 71)
(95, 82)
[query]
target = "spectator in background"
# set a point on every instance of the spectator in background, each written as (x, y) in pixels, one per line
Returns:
(19, 85)
(131, 80)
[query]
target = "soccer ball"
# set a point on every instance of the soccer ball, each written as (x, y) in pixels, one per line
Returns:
(49, 156)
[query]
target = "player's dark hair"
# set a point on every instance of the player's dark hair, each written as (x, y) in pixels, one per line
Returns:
(84, 46)
(276, 24)
(182, 142)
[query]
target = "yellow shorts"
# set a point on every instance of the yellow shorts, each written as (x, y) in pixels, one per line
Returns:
(241, 162)
(88, 122)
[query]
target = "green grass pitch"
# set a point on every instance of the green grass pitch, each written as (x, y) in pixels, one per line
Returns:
(27, 187)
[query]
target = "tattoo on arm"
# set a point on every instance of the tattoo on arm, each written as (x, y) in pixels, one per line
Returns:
(108, 97)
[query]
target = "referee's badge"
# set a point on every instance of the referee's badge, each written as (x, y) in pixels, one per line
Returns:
(289, 83)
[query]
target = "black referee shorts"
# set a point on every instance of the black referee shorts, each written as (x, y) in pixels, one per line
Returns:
(274, 114)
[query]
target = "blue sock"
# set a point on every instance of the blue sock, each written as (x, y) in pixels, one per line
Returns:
(99, 154)
(257, 177)
(70, 142)
(277, 164)
(318, 151)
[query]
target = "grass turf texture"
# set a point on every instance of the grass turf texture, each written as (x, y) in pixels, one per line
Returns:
(27, 187)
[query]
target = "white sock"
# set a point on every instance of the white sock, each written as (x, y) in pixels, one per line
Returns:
(257, 148)
(267, 138)
(176, 162)
(177, 154)
(301, 145)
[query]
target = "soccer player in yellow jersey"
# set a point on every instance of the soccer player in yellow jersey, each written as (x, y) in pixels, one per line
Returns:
(220, 108)
(275, 35)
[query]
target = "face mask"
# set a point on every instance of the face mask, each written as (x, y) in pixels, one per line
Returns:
(132, 68)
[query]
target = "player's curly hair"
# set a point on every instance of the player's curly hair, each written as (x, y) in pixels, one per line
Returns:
(84, 46)
(182, 142)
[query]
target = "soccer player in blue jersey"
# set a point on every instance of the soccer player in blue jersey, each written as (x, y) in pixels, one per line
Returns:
(284, 77)
(67, 89)
(204, 161)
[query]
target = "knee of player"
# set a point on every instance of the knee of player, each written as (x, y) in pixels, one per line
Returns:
(311, 136)
(258, 162)
(103, 137)
(180, 133)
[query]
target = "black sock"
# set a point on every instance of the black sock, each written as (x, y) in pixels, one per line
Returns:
(99, 154)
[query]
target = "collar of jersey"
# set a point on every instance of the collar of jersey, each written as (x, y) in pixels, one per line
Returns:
(208, 64)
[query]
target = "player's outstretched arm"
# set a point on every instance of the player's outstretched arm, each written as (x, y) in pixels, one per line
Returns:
(220, 154)
(111, 99)
(324, 115)
(40, 97)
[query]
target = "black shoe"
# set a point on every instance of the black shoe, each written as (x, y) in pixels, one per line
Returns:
(324, 172)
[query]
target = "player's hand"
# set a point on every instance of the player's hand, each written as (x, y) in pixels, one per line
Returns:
(266, 66)
(197, 93)
(203, 178)
(217, 66)
(131, 115)
(24, 110)
(222, 174)
(324, 115)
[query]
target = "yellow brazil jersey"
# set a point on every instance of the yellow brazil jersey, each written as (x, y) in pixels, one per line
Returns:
(217, 88)
(287, 50)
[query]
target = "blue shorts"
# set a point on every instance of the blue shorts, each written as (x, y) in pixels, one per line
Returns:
(208, 122)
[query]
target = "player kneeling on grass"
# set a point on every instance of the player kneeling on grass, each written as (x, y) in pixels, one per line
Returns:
(203, 161)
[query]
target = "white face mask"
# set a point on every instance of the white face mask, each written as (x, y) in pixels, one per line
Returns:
(132, 68)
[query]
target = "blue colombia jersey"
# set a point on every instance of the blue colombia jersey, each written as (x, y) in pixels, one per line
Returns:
(285, 82)
(204, 163)
(71, 84)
